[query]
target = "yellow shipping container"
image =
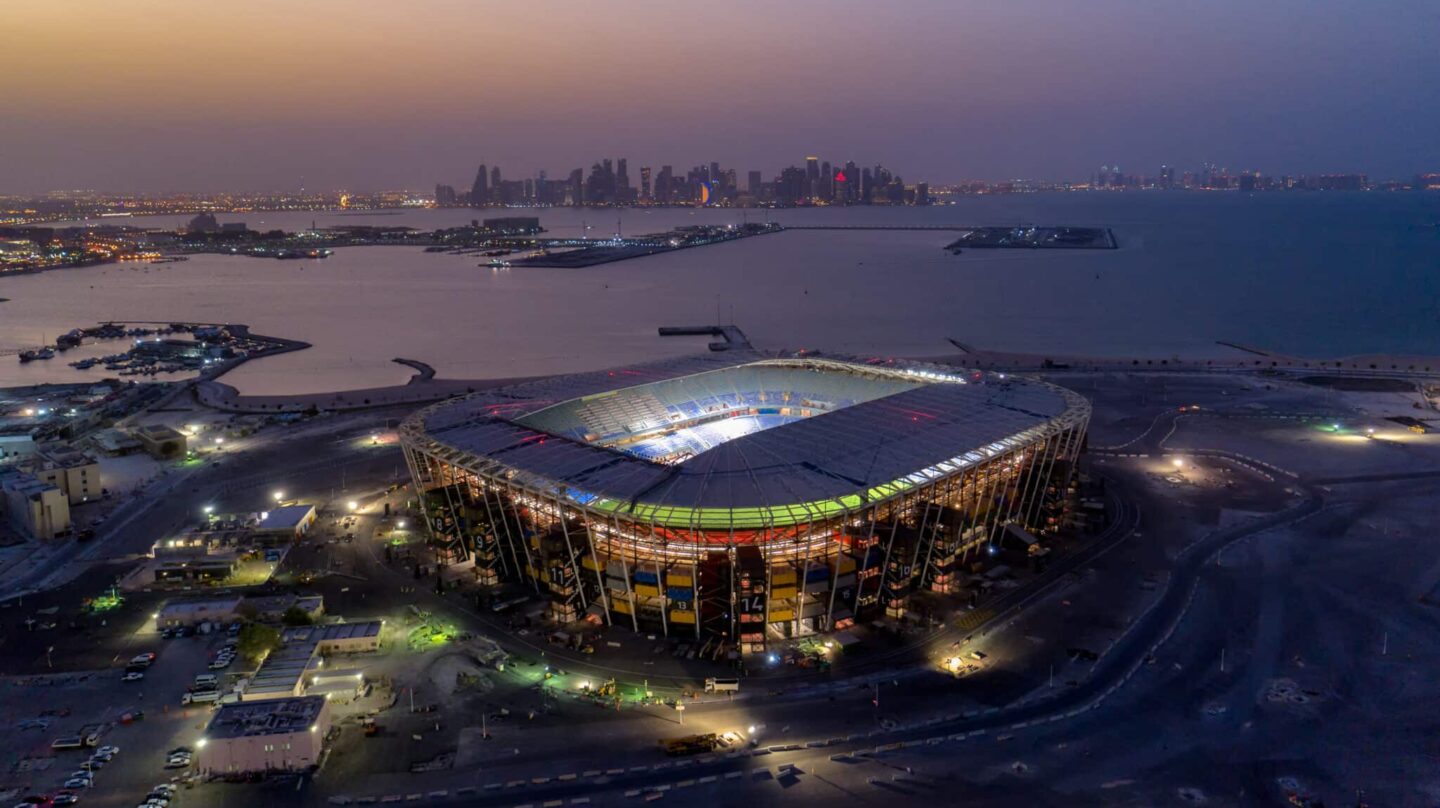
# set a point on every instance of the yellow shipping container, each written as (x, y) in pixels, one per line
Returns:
(847, 564)
(589, 563)
(678, 616)
(647, 591)
(781, 615)
(679, 580)
(782, 594)
(779, 577)
(621, 606)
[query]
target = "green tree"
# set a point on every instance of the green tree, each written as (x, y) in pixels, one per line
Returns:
(256, 641)
(296, 616)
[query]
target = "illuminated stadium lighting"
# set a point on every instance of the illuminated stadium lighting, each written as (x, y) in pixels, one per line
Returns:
(769, 476)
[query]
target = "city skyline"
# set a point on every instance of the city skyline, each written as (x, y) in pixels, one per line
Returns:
(370, 98)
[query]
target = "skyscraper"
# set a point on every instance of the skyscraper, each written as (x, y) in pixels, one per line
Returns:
(812, 177)
(622, 181)
(755, 180)
(480, 189)
(645, 184)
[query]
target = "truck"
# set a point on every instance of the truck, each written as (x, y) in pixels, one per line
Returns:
(202, 697)
(690, 744)
(714, 685)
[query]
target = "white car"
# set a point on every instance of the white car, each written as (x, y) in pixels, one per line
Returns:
(76, 782)
(133, 676)
(112, 751)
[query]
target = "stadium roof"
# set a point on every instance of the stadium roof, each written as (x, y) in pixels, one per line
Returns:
(930, 421)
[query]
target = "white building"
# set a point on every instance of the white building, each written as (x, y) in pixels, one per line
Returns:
(279, 735)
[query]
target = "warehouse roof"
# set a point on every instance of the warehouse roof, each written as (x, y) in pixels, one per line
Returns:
(273, 717)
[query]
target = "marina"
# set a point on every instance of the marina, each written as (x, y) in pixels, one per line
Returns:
(1174, 275)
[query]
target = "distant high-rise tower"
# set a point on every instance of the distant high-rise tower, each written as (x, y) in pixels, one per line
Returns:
(645, 184)
(755, 181)
(812, 176)
(494, 183)
(622, 181)
(480, 190)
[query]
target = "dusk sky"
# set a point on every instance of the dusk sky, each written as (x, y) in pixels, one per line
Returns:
(193, 95)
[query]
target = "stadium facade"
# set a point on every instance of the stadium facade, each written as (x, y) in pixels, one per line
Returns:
(742, 495)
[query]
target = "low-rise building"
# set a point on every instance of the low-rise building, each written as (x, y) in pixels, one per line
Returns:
(161, 442)
(35, 508)
(16, 448)
(268, 736)
(195, 612)
(199, 568)
(337, 638)
(264, 608)
(288, 521)
(75, 473)
(298, 665)
(115, 443)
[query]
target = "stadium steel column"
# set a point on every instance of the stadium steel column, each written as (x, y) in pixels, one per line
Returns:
(495, 529)
(475, 488)
(734, 610)
(570, 553)
(1013, 489)
(930, 552)
(1038, 450)
(599, 572)
(889, 548)
(865, 556)
(530, 568)
(624, 570)
(499, 511)
(419, 487)
(454, 512)
(835, 571)
(920, 531)
(993, 474)
(695, 592)
(1033, 508)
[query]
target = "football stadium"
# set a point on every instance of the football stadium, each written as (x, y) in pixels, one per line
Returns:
(745, 496)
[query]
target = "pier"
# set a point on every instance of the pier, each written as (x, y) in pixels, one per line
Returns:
(731, 335)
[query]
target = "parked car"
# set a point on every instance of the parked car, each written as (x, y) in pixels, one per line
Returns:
(132, 676)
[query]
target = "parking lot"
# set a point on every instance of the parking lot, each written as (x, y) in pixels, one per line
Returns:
(143, 718)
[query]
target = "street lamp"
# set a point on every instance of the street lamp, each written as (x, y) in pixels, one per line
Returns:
(279, 496)
(400, 525)
(208, 509)
(352, 505)
(1179, 463)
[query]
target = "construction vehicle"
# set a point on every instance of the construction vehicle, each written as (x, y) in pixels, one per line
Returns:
(606, 689)
(690, 744)
(714, 685)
